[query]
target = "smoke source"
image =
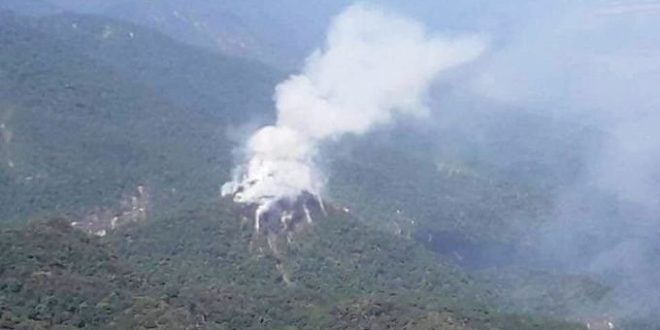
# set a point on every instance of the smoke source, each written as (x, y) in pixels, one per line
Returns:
(375, 65)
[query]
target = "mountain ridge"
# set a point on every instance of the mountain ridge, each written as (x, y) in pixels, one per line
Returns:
(93, 108)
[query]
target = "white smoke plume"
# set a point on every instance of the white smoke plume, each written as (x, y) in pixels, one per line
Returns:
(375, 65)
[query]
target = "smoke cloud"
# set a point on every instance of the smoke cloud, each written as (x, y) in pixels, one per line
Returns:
(374, 67)
(597, 65)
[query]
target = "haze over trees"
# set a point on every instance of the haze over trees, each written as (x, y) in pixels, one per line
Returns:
(526, 199)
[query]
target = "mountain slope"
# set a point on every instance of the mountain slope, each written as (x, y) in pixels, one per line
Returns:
(33, 7)
(87, 116)
(282, 33)
(56, 277)
(197, 270)
(92, 108)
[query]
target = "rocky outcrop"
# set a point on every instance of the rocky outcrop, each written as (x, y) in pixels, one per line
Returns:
(132, 208)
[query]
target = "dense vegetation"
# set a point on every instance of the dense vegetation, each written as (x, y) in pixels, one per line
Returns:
(92, 115)
(92, 107)
(196, 270)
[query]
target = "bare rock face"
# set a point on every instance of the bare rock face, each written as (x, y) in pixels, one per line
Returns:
(284, 215)
(132, 208)
(276, 224)
(603, 323)
(6, 135)
(281, 225)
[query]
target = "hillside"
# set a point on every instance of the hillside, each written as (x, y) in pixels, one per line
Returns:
(468, 179)
(279, 33)
(196, 270)
(56, 277)
(34, 7)
(249, 29)
(103, 119)
(330, 275)
(172, 107)
(88, 116)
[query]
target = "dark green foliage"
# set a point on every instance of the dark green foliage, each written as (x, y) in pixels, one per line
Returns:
(332, 270)
(196, 271)
(92, 115)
(52, 274)
(557, 295)
(488, 175)
(97, 106)
(399, 186)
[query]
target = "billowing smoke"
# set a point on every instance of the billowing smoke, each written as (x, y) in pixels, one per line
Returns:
(374, 66)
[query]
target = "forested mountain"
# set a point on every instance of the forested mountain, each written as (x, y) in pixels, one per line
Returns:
(92, 108)
(280, 33)
(116, 136)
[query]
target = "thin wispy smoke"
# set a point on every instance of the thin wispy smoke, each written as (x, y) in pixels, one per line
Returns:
(374, 67)
(597, 65)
